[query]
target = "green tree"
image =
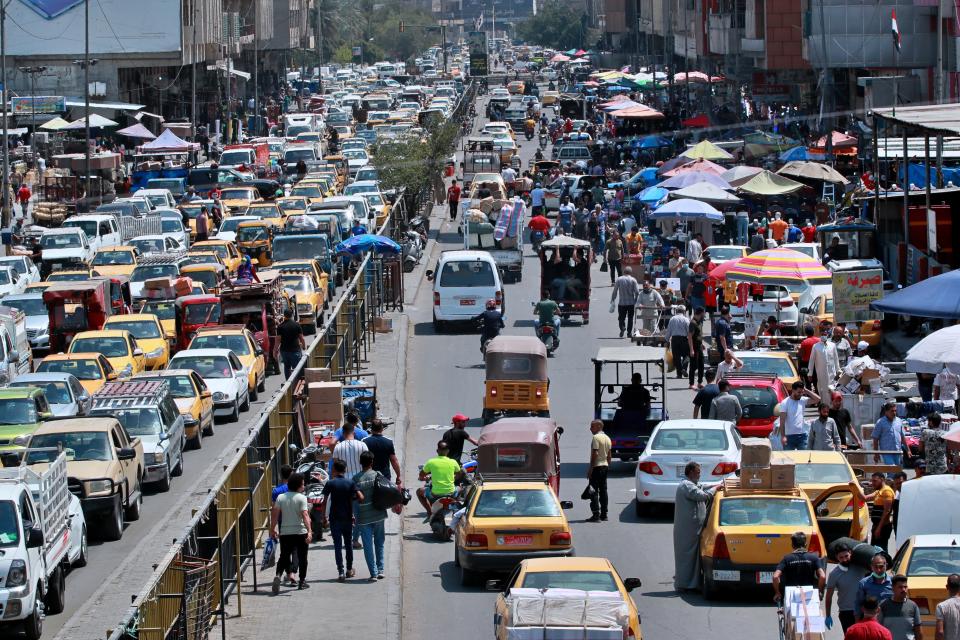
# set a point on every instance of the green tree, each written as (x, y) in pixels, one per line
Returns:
(556, 25)
(343, 54)
(413, 163)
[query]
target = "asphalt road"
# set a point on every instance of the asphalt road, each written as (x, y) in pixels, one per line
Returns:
(445, 375)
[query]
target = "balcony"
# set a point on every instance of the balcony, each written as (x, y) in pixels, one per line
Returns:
(755, 47)
(724, 38)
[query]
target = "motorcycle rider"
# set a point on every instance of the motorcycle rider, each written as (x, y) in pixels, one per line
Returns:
(492, 322)
(529, 127)
(539, 225)
(443, 473)
(548, 312)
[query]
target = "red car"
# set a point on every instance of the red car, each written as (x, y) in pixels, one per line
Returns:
(759, 395)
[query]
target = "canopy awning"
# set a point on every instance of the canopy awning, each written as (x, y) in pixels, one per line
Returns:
(222, 66)
(95, 122)
(55, 124)
(767, 183)
(706, 150)
(936, 297)
(137, 131)
(707, 192)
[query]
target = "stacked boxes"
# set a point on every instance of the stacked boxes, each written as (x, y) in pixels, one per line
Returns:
(325, 402)
(761, 468)
(802, 614)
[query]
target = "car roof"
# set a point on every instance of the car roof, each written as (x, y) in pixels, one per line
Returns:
(695, 423)
(47, 376)
(815, 457)
(936, 540)
(165, 373)
(202, 352)
(572, 563)
(130, 316)
(762, 354)
(514, 486)
(79, 355)
(103, 333)
(11, 393)
(76, 424)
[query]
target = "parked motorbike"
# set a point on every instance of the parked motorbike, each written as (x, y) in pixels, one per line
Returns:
(413, 246)
(315, 476)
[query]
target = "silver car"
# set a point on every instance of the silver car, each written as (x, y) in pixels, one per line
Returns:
(65, 395)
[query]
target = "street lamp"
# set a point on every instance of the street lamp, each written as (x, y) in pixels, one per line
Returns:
(33, 72)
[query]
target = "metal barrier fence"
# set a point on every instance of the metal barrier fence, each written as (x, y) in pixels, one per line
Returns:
(206, 565)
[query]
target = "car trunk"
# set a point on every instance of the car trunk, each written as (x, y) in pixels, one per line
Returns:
(747, 546)
(515, 534)
(672, 463)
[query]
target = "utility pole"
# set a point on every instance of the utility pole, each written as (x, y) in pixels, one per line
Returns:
(193, 76)
(256, 65)
(86, 98)
(5, 215)
(939, 72)
(319, 50)
(33, 72)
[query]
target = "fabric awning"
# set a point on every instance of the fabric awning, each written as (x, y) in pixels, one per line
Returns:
(707, 192)
(95, 122)
(936, 297)
(767, 183)
(137, 131)
(56, 124)
(706, 150)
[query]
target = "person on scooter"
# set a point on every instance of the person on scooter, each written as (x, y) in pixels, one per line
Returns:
(548, 312)
(443, 473)
(539, 229)
(529, 128)
(492, 322)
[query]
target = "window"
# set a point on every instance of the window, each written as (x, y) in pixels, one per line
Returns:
(239, 344)
(18, 411)
(61, 241)
(473, 273)
(756, 402)
(56, 392)
(205, 366)
(80, 445)
(81, 369)
(139, 328)
(9, 525)
(764, 511)
(163, 310)
(180, 386)
(506, 503)
(148, 272)
(934, 561)
(582, 580)
(137, 422)
(779, 367)
(105, 258)
(110, 347)
(690, 440)
(105, 229)
(202, 313)
(512, 458)
(824, 473)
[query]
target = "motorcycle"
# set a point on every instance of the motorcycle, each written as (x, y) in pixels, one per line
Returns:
(536, 239)
(315, 476)
(544, 139)
(547, 334)
(412, 245)
(441, 514)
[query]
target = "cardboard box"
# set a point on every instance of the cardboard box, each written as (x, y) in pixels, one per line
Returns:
(321, 412)
(317, 374)
(325, 392)
(783, 473)
(383, 325)
(755, 452)
(755, 477)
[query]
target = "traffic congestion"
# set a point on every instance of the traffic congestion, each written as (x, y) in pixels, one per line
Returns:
(653, 382)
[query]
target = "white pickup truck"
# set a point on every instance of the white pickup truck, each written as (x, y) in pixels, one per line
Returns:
(64, 248)
(42, 534)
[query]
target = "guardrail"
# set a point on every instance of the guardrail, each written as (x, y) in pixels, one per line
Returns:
(205, 566)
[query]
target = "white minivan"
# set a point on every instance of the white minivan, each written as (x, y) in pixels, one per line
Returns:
(462, 283)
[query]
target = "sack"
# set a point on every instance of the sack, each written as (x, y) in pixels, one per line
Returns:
(385, 493)
(604, 266)
(668, 358)
(269, 554)
(588, 493)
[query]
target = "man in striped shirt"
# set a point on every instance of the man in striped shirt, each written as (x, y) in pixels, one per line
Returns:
(349, 450)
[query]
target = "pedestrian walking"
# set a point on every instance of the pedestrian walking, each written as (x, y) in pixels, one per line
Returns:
(791, 430)
(888, 436)
(689, 514)
(695, 248)
(882, 510)
(948, 611)
(843, 582)
(725, 406)
(626, 290)
(722, 331)
(370, 519)
(945, 388)
(384, 453)
(695, 347)
(292, 343)
(933, 446)
(600, 448)
(824, 364)
(650, 305)
(614, 255)
(349, 450)
(799, 568)
(285, 472)
(676, 337)
(453, 199)
(868, 628)
(704, 398)
(848, 435)
(824, 434)
(899, 614)
(23, 197)
(339, 493)
(290, 523)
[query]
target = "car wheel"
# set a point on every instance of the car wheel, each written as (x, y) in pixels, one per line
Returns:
(33, 626)
(642, 508)
(707, 588)
(81, 560)
(252, 394)
(178, 469)
(163, 484)
(468, 578)
(133, 509)
(262, 385)
(206, 432)
(235, 416)
(113, 526)
(196, 443)
(245, 406)
(56, 596)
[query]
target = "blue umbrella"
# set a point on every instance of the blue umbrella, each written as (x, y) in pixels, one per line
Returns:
(688, 209)
(357, 245)
(651, 195)
(649, 175)
(936, 297)
(796, 153)
(654, 142)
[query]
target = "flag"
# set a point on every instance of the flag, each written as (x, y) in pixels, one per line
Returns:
(479, 22)
(896, 29)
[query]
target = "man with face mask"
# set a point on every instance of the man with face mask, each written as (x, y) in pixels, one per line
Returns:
(843, 581)
(649, 304)
(824, 364)
(878, 584)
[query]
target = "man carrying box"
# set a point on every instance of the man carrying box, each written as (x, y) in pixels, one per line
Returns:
(798, 568)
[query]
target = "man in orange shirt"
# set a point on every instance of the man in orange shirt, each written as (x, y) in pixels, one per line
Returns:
(777, 228)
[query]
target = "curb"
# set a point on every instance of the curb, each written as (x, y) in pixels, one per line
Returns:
(394, 628)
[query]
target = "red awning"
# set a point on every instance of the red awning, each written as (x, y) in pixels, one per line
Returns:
(697, 121)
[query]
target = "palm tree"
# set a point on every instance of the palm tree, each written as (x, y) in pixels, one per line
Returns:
(340, 22)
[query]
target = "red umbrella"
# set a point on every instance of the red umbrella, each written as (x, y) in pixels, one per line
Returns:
(720, 271)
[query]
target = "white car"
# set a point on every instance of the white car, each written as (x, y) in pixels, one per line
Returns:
(157, 243)
(37, 316)
(356, 159)
(11, 282)
(171, 226)
(23, 265)
(673, 444)
(223, 373)
(228, 228)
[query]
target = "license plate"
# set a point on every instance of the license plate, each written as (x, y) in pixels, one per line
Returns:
(726, 576)
(517, 540)
(680, 470)
(467, 302)
(764, 577)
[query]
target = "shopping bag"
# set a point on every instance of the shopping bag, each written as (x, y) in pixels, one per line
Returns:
(668, 357)
(613, 306)
(588, 493)
(385, 493)
(269, 554)
(604, 266)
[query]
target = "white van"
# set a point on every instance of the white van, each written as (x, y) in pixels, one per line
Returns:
(462, 283)
(922, 507)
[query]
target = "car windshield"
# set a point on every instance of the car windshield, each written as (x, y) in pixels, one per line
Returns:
(934, 561)
(86, 369)
(253, 234)
(68, 277)
(205, 366)
(236, 343)
(355, 154)
(516, 503)
(301, 284)
(148, 245)
(9, 525)
(57, 392)
(764, 511)
(137, 422)
(180, 386)
(808, 249)
(467, 273)
(374, 199)
(292, 205)
(164, 310)
(60, 241)
(295, 155)
(582, 580)
(208, 278)
(307, 192)
(237, 194)
(193, 210)
(18, 411)
(108, 346)
(146, 329)
(297, 129)
(834, 473)
(4, 276)
(148, 272)
(104, 258)
(174, 186)
(231, 224)
(201, 258)
(240, 156)
(29, 306)
(720, 252)
(169, 225)
(89, 226)
(779, 367)
(201, 313)
(220, 249)
(81, 445)
(756, 402)
(690, 440)
(299, 248)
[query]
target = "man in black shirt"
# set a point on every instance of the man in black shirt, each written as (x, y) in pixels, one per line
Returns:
(798, 568)
(635, 396)
(292, 343)
(704, 397)
(848, 435)
(384, 454)
(456, 436)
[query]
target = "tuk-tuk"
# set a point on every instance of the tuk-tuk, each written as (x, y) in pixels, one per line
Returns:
(516, 382)
(521, 446)
(255, 239)
(540, 169)
(193, 312)
(121, 300)
(627, 421)
(565, 274)
(210, 274)
(74, 307)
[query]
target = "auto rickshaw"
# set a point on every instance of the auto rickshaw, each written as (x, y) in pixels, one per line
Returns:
(521, 446)
(74, 307)
(255, 239)
(516, 382)
(210, 274)
(565, 274)
(193, 312)
(121, 300)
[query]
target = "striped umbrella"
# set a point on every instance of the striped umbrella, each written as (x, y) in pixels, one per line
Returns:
(779, 267)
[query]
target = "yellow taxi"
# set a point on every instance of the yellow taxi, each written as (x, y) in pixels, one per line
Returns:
(310, 265)
(93, 370)
(194, 401)
(776, 363)
(118, 345)
(313, 191)
(293, 205)
(149, 333)
(227, 251)
(311, 298)
(327, 179)
(506, 522)
(78, 275)
(747, 532)
(239, 340)
(550, 98)
(927, 560)
(116, 261)
(236, 199)
(210, 274)
(203, 257)
(583, 574)
(166, 313)
(266, 211)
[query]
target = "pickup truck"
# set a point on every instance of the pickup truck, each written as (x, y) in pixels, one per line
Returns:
(104, 467)
(102, 229)
(43, 534)
(479, 235)
(64, 248)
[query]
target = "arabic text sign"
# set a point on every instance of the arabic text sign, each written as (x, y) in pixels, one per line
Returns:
(853, 291)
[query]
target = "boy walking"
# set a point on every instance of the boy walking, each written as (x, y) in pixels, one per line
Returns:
(340, 493)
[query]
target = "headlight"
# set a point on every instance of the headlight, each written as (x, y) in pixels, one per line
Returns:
(219, 396)
(305, 308)
(127, 371)
(98, 486)
(17, 575)
(157, 457)
(156, 353)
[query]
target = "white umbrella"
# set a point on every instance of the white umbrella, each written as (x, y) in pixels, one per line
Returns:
(938, 350)
(95, 121)
(705, 191)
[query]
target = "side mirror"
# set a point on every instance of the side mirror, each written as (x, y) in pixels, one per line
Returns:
(112, 375)
(566, 504)
(631, 583)
(46, 415)
(13, 357)
(35, 538)
(559, 431)
(494, 585)
(138, 351)
(164, 436)
(206, 394)
(126, 454)
(805, 311)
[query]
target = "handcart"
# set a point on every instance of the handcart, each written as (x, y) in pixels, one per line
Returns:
(649, 336)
